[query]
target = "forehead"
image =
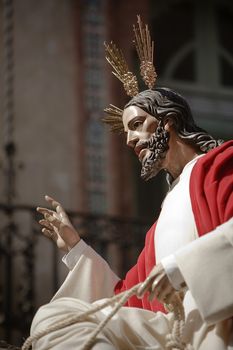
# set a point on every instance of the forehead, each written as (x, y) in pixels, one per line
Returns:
(132, 112)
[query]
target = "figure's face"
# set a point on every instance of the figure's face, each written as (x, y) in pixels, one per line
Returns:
(141, 132)
(139, 126)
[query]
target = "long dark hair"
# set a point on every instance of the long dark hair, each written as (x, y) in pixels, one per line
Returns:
(162, 103)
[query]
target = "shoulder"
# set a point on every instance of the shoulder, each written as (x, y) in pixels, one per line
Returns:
(215, 164)
(211, 187)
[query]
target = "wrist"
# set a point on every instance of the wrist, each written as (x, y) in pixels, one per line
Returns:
(73, 243)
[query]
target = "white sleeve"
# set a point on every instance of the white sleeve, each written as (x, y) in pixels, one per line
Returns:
(172, 271)
(90, 277)
(207, 267)
(71, 258)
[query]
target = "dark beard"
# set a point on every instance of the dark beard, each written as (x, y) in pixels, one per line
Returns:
(158, 147)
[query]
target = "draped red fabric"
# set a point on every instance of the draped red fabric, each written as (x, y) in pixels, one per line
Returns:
(211, 186)
(139, 272)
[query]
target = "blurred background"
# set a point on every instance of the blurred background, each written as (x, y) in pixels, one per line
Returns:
(54, 85)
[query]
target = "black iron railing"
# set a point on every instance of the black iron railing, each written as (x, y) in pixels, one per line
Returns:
(19, 237)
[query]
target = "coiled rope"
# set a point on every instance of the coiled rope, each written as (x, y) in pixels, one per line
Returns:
(174, 339)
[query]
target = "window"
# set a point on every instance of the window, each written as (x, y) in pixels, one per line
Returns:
(94, 96)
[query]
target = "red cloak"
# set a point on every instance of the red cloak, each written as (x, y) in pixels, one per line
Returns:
(211, 192)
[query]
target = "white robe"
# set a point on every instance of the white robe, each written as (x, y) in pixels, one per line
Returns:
(91, 279)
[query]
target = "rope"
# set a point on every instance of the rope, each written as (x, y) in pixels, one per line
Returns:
(125, 296)
(73, 318)
(173, 339)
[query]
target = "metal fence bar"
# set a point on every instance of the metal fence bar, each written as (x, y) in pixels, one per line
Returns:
(18, 294)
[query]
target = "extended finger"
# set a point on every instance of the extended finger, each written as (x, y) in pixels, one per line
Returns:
(158, 282)
(153, 290)
(48, 213)
(44, 211)
(52, 202)
(53, 220)
(157, 286)
(144, 287)
(46, 224)
(48, 233)
(152, 280)
(57, 206)
(165, 294)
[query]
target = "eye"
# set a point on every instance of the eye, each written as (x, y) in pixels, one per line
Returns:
(137, 124)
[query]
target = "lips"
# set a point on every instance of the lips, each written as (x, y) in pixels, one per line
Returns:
(140, 145)
(141, 150)
(138, 149)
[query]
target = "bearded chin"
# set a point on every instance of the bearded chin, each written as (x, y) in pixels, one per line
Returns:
(158, 147)
(151, 168)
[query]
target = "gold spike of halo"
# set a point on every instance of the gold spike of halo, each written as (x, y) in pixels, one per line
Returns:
(116, 59)
(145, 49)
(114, 118)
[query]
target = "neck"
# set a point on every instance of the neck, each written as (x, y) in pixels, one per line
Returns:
(178, 155)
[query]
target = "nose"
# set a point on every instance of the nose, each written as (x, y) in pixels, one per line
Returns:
(132, 138)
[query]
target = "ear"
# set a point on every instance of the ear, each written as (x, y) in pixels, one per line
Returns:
(168, 124)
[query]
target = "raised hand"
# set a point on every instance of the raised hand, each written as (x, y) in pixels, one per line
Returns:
(57, 226)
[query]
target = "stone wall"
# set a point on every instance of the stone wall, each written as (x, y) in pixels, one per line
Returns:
(46, 113)
(46, 101)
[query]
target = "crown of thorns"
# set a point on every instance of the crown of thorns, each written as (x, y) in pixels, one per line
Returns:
(145, 49)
